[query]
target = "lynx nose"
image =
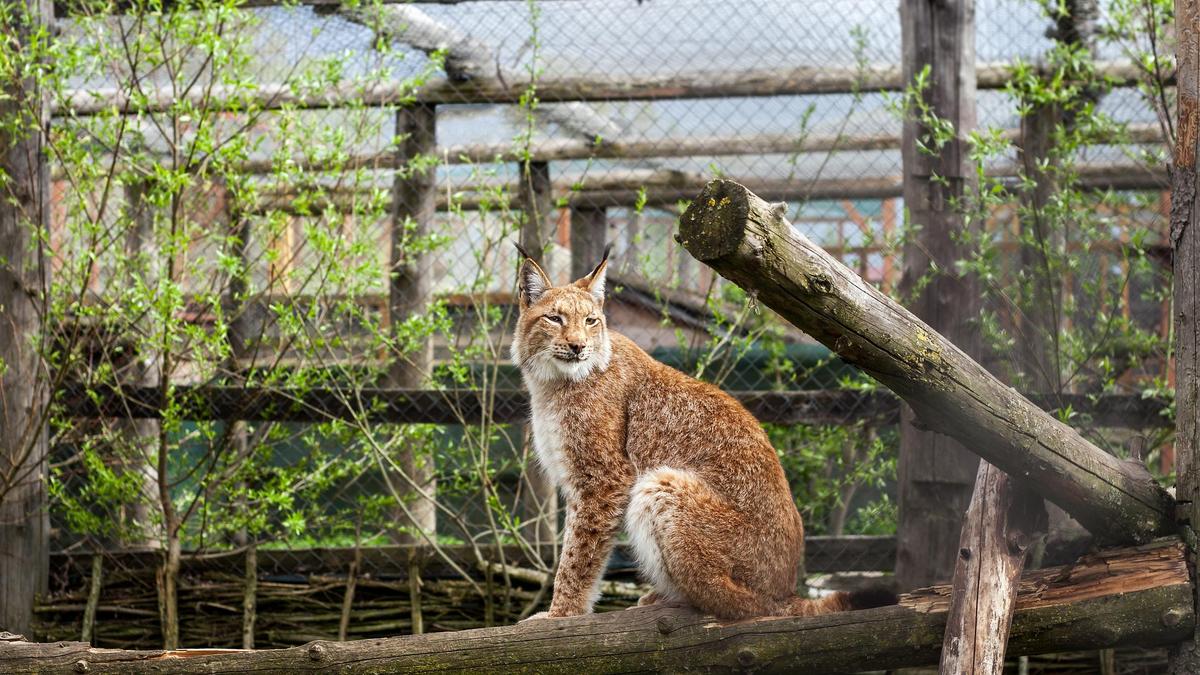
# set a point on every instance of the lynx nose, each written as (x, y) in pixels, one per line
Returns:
(575, 348)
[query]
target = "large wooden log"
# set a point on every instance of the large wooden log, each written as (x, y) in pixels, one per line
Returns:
(750, 242)
(1132, 596)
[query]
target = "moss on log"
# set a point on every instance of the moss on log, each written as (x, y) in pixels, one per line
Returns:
(1138, 595)
(750, 242)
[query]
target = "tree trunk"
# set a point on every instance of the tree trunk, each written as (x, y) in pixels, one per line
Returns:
(410, 292)
(750, 242)
(935, 473)
(1001, 523)
(1185, 238)
(24, 282)
(1138, 596)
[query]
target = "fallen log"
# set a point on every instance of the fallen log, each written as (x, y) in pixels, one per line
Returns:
(750, 242)
(1138, 595)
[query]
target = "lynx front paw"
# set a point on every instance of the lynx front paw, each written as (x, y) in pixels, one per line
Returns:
(534, 617)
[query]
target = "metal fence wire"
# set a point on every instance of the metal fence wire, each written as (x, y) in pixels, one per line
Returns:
(317, 205)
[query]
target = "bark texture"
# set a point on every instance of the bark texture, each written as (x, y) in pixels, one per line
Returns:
(24, 210)
(1130, 596)
(1001, 523)
(935, 472)
(1185, 657)
(750, 242)
(410, 292)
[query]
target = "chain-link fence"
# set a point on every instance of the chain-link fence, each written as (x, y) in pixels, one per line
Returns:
(306, 208)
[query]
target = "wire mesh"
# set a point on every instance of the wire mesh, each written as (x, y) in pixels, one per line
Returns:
(240, 227)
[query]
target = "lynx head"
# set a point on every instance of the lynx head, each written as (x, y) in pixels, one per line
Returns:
(561, 332)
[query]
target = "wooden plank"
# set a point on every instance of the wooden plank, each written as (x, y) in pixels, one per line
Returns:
(1133, 596)
(750, 83)
(749, 242)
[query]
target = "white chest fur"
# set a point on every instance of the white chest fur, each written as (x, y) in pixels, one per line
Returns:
(549, 444)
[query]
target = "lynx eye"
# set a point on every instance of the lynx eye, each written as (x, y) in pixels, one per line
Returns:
(554, 319)
(593, 320)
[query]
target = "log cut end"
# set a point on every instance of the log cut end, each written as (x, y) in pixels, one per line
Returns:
(713, 226)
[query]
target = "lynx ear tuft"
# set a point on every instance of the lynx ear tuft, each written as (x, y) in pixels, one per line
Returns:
(594, 282)
(532, 281)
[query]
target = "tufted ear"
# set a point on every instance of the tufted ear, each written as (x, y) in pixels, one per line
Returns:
(532, 281)
(594, 282)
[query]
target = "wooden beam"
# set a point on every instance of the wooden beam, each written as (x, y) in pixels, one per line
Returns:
(410, 292)
(797, 81)
(935, 472)
(506, 406)
(1136, 596)
(558, 149)
(24, 287)
(751, 243)
(1185, 243)
(659, 188)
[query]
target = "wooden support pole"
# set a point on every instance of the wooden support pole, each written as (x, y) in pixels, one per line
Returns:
(1185, 240)
(589, 236)
(24, 285)
(95, 581)
(537, 207)
(935, 473)
(749, 242)
(141, 434)
(1136, 596)
(410, 292)
(1001, 524)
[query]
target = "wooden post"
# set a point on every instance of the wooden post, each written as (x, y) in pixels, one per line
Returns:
(536, 201)
(935, 472)
(24, 281)
(93, 601)
(1000, 525)
(245, 323)
(142, 434)
(410, 292)
(1185, 241)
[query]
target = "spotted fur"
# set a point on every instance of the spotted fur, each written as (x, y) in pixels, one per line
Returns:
(683, 466)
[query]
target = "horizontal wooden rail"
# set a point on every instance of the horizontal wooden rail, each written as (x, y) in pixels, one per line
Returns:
(670, 187)
(850, 553)
(750, 83)
(559, 149)
(1140, 596)
(464, 406)
(750, 242)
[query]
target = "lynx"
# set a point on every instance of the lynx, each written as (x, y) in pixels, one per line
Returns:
(688, 470)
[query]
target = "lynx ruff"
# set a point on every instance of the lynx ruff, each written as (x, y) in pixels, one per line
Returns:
(686, 467)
